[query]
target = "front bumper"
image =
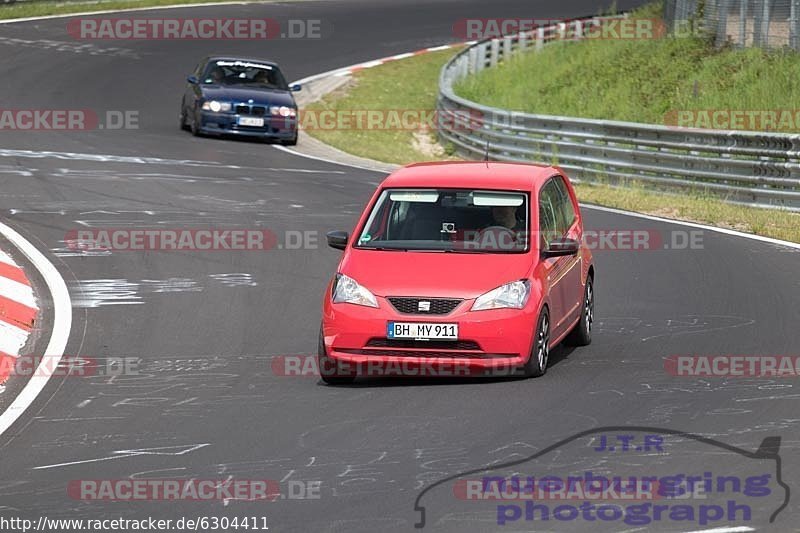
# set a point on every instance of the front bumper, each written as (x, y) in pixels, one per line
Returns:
(277, 128)
(492, 342)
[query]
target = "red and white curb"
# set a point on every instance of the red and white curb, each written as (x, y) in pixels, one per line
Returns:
(347, 71)
(18, 310)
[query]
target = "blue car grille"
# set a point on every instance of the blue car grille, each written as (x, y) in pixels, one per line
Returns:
(255, 110)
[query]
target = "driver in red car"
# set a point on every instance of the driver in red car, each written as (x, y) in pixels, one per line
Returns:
(506, 215)
(505, 231)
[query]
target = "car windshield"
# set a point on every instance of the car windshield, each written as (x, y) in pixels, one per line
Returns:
(448, 220)
(246, 73)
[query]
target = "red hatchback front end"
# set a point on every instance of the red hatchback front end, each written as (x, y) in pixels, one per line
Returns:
(444, 276)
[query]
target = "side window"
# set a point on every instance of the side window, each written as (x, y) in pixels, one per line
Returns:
(548, 226)
(566, 211)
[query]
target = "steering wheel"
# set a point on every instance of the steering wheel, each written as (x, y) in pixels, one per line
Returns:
(502, 237)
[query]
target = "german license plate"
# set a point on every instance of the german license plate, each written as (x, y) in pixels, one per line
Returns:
(422, 330)
(251, 121)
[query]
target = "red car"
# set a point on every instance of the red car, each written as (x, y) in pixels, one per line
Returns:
(459, 269)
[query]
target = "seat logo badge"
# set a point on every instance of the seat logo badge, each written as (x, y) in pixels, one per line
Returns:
(424, 306)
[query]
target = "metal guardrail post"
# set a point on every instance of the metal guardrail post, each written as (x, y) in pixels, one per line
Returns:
(495, 48)
(577, 33)
(539, 38)
(473, 60)
(758, 11)
(507, 46)
(765, 20)
(743, 23)
(481, 57)
(522, 39)
(722, 22)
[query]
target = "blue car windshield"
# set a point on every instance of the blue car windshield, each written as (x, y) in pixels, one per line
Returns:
(244, 73)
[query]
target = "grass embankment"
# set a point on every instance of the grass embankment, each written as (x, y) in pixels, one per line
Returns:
(40, 9)
(411, 84)
(645, 80)
(407, 84)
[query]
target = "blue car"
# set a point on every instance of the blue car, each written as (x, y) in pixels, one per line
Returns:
(241, 97)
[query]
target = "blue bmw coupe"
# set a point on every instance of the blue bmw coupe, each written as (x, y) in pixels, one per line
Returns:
(241, 97)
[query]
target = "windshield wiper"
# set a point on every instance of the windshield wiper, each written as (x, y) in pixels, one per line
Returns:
(383, 248)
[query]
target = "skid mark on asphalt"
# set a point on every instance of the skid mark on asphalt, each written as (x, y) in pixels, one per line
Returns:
(72, 48)
(124, 454)
(137, 160)
(682, 325)
(93, 293)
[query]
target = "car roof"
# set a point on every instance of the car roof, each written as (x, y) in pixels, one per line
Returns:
(472, 175)
(246, 59)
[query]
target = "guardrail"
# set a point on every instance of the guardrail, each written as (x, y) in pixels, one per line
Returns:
(750, 167)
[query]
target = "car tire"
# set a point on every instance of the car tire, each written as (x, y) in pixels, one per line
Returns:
(581, 334)
(326, 362)
(194, 127)
(290, 142)
(183, 119)
(540, 351)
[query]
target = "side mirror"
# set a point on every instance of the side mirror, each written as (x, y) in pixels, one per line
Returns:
(295, 87)
(337, 239)
(193, 80)
(562, 247)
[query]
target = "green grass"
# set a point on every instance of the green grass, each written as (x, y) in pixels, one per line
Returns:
(409, 84)
(41, 9)
(695, 208)
(640, 80)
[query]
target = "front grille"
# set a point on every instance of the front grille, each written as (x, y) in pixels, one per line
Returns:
(404, 343)
(410, 306)
(256, 110)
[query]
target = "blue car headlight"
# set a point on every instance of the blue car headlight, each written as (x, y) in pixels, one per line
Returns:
(283, 111)
(215, 106)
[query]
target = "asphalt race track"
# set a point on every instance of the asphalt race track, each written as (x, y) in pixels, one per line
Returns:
(207, 403)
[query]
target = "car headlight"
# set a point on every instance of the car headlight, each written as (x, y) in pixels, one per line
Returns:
(347, 290)
(283, 111)
(216, 107)
(512, 295)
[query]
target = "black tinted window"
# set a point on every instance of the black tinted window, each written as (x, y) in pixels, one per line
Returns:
(548, 207)
(566, 211)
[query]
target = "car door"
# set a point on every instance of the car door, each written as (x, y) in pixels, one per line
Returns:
(553, 266)
(570, 283)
